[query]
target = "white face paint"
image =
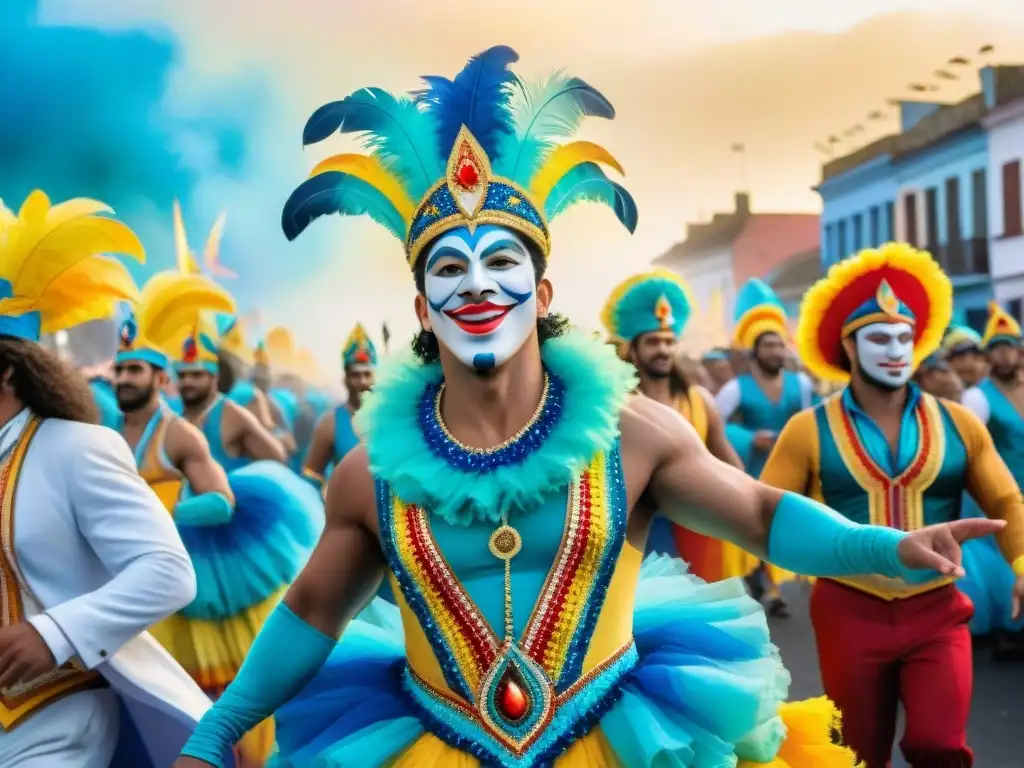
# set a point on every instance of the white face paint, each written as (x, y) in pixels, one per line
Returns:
(481, 294)
(885, 352)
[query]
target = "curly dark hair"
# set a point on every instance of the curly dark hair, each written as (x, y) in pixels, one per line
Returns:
(424, 343)
(46, 384)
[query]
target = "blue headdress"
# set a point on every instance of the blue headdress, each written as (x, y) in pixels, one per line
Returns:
(483, 148)
(758, 311)
(659, 300)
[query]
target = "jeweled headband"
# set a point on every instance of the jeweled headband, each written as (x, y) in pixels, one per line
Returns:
(484, 148)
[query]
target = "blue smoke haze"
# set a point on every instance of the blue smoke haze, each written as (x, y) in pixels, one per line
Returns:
(115, 116)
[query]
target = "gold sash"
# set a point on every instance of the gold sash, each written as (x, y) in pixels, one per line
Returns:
(23, 699)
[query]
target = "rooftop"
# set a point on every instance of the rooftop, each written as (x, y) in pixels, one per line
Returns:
(999, 85)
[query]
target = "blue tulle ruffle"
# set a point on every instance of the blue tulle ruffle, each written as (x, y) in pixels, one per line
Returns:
(276, 523)
(706, 689)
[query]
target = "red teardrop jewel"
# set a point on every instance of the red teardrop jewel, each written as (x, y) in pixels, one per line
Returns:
(468, 176)
(512, 701)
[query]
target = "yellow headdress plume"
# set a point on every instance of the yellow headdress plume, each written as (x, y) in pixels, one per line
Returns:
(1001, 328)
(52, 271)
(280, 349)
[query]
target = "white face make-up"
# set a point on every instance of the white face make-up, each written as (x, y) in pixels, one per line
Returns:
(481, 294)
(885, 352)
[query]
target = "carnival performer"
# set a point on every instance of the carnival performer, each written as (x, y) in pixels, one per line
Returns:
(646, 314)
(248, 531)
(88, 559)
(236, 437)
(757, 404)
(334, 435)
(514, 479)
(962, 347)
(883, 452)
(998, 401)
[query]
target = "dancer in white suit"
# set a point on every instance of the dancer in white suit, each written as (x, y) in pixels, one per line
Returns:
(89, 558)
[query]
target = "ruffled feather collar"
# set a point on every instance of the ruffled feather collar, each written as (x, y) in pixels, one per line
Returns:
(409, 450)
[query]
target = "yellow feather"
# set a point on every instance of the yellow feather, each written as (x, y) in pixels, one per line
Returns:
(373, 172)
(173, 304)
(97, 276)
(186, 262)
(8, 218)
(564, 159)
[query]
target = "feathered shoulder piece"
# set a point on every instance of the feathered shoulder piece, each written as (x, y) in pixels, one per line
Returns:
(484, 148)
(53, 271)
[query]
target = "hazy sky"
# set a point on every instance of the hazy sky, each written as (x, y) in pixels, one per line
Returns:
(688, 79)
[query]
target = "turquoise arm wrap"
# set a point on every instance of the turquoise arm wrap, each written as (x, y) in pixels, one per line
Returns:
(810, 539)
(205, 509)
(285, 656)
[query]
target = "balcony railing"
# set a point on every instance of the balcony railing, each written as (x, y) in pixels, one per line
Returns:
(963, 258)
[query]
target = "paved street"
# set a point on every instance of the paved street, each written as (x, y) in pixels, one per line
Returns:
(998, 708)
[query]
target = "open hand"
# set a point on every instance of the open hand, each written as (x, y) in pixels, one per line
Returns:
(24, 655)
(937, 547)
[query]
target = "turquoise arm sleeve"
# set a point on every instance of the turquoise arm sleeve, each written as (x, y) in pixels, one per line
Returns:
(810, 539)
(742, 441)
(285, 656)
(205, 509)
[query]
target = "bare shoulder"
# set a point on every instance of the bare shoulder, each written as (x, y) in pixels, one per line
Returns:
(351, 492)
(185, 437)
(240, 415)
(704, 394)
(652, 428)
(325, 424)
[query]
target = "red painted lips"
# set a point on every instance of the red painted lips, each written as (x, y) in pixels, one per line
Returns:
(479, 319)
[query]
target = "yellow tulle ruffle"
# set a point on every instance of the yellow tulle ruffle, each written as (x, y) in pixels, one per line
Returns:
(810, 725)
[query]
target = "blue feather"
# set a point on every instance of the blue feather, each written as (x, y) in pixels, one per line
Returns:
(588, 183)
(541, 112)
(398, 132)
(477, 98)
(337, 192)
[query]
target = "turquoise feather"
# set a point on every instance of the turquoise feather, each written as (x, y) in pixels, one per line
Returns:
(337, 192)
(755, 293)
(541, 112)
(597, 386)
(588, 183)
(400, 134)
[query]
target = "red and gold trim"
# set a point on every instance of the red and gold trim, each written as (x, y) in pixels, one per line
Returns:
(895, 502)
(566, 594)
(464, 643)
(914, 277)
(23, 699)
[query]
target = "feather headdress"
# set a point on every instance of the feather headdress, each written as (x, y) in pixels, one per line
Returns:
(484, 148)
(279, 346)
(52, 271)
(358, 349)
(659, 300)
(170, 314)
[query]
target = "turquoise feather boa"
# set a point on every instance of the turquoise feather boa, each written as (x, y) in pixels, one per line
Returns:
(597, 386)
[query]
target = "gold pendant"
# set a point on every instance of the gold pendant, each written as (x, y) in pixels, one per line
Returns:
(505, 542)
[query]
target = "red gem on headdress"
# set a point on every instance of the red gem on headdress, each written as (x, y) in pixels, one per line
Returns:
(468, 176)
(189, 353)
(362, 357)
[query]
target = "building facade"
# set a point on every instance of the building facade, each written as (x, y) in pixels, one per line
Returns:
(928, 185)
(1005, 128)
(720, 255)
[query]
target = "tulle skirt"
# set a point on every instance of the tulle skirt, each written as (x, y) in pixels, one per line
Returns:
(988, 582)
(705, 690)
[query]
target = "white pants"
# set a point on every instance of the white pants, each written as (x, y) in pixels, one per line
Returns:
(80, 731)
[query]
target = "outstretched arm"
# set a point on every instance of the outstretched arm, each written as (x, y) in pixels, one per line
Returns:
(697, 491)
(344, 571)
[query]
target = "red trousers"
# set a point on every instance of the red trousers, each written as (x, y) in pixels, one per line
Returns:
(875, 654)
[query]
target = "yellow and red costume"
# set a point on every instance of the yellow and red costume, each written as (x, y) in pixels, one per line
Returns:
(881, 641)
